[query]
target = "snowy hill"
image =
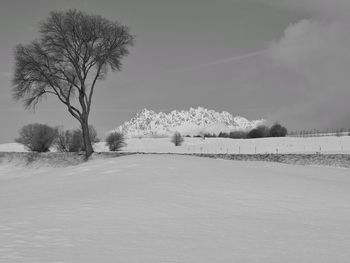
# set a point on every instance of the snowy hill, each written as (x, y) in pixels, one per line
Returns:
(170, 208)
(148, 123)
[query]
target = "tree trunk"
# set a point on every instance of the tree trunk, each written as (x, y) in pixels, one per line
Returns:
(86, 138)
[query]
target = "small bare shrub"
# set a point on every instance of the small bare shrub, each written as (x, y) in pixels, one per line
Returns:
(177, 139)
(72, 140)
(37, 137)
(115, 141)
(69, 141)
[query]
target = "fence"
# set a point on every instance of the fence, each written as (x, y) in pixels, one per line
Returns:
(339, 133)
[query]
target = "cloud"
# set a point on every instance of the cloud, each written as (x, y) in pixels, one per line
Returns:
(311, 62)
(309, 41)
(221, 61)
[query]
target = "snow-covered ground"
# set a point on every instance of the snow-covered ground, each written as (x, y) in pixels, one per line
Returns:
(12, 147)
(159, 208)
(328, 144)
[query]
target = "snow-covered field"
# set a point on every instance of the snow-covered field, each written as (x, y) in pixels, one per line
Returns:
(328, 144)
(159, 208)
(12, 147)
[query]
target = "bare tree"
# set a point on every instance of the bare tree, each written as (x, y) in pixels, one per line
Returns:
(177, 139)
(115, 141)
(74, 51)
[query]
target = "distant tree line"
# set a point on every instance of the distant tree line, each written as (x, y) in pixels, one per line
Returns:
(262, 131)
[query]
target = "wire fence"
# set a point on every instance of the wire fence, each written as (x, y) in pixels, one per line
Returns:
(316, 133)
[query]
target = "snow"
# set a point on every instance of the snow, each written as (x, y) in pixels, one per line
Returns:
(12, 147)
(167, 208)
(148, 123)
(329, 144)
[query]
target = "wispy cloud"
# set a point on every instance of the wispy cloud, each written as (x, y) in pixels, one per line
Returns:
(221, 61)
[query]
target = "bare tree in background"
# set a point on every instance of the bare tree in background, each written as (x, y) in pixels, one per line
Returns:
(74, 51)
(177, 139)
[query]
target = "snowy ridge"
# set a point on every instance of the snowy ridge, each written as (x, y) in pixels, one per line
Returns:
(148, 123)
